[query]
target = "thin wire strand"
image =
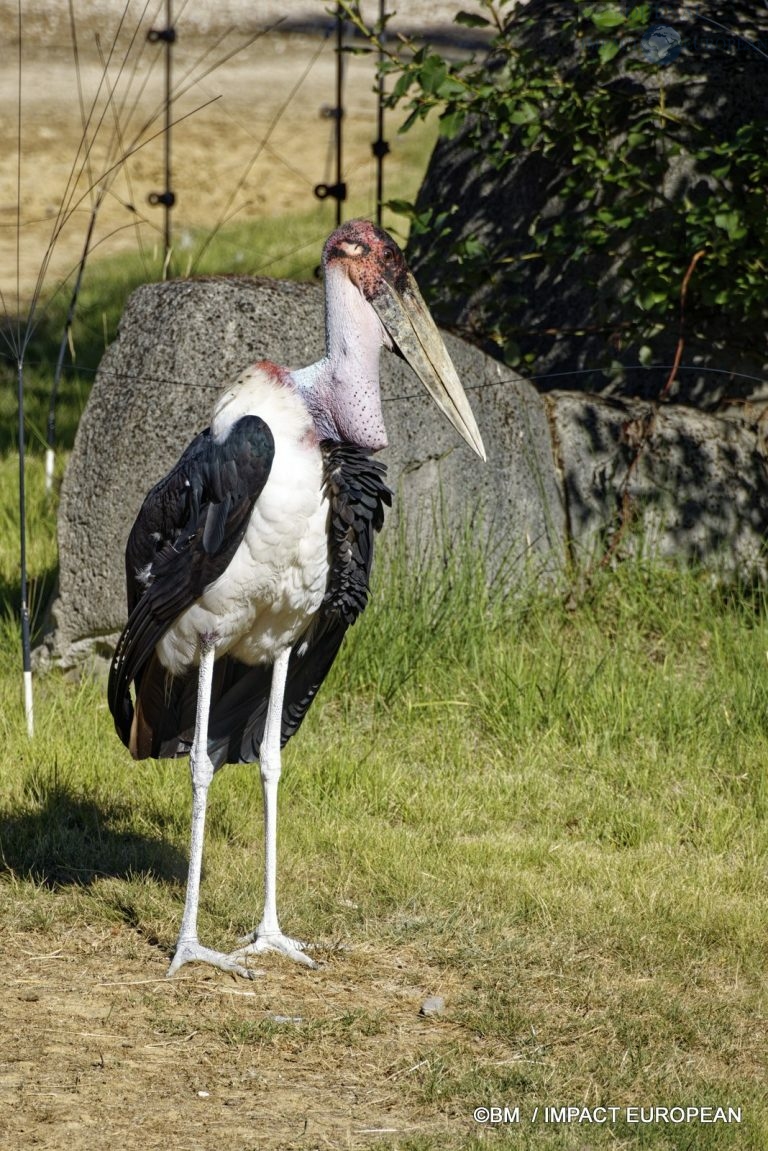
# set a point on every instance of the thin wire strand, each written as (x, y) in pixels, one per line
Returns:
(226, 214)
(170, 381)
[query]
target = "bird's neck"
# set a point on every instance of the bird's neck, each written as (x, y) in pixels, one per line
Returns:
(341, 391)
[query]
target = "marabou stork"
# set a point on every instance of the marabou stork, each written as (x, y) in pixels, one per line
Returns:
(250, 559)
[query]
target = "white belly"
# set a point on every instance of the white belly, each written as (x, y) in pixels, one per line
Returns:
(277, 578)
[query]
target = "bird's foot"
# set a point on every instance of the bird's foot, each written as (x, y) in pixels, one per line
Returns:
(262, 941)
(190, 951)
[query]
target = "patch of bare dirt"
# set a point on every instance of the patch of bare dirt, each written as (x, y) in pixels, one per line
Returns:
(100, 1050)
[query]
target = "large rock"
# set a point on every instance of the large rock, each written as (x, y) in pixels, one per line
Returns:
(181, 341)
(667, 482)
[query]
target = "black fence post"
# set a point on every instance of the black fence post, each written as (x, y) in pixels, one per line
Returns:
(337, 191)
(380, 147)
(167, 198)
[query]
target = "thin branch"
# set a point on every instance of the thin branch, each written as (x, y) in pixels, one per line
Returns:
(681, 340)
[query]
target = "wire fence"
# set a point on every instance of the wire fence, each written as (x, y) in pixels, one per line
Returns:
(126, 134)
(152, 138)
(179, 137)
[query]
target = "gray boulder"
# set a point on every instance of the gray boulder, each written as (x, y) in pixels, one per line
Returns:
(666, 482)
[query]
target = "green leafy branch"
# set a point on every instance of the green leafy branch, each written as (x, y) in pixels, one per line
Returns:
(616, 155)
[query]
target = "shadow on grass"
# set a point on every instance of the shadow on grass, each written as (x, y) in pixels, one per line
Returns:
(65, 839)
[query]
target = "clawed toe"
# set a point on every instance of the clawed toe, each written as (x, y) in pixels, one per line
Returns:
(192, 952)
(292, 948)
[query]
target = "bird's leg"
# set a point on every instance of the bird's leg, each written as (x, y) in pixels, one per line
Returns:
(268, 936)
(188, 948)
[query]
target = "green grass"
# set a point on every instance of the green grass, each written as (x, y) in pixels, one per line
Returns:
(552, 807)
(556, 804)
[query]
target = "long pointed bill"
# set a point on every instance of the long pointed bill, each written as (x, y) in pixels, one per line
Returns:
(407, 319)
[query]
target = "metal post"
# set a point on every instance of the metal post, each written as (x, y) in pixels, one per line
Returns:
(337, 191)
(167, 198)
(20, 346)
(339, 111)
(26, 646)
(380, 147)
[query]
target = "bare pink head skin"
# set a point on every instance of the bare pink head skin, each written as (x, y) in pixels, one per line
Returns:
(372, 302)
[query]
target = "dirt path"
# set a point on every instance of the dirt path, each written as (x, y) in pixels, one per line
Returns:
(100, 1050)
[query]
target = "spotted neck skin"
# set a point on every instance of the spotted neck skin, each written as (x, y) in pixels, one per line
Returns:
(341, 391)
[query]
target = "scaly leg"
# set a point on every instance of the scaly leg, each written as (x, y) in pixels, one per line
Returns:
(188, 949)
(268, 936)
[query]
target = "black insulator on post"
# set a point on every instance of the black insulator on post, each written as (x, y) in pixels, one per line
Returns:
(337, 191)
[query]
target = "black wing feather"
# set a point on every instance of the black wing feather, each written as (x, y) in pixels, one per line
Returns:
(184, 537)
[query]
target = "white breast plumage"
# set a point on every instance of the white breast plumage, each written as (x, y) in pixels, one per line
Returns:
(278, 575)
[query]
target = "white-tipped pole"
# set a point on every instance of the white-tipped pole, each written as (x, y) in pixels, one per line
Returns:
(50, 463)
(26, 646)
(29, 707)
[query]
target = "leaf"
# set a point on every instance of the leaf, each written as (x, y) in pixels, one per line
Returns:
(532, 133)
(608, 18)
(608, 50)
(400, 207)
(731, 223)
(471, 248)
(401, 87)
(418, 113)
(432, 74)
(652, 296)
(470, 20)
(449, 88)
(511, 353)
(640, 16)
(451, 122)
(524, 113)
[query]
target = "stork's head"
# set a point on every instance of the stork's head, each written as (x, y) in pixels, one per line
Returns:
(373, 263)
